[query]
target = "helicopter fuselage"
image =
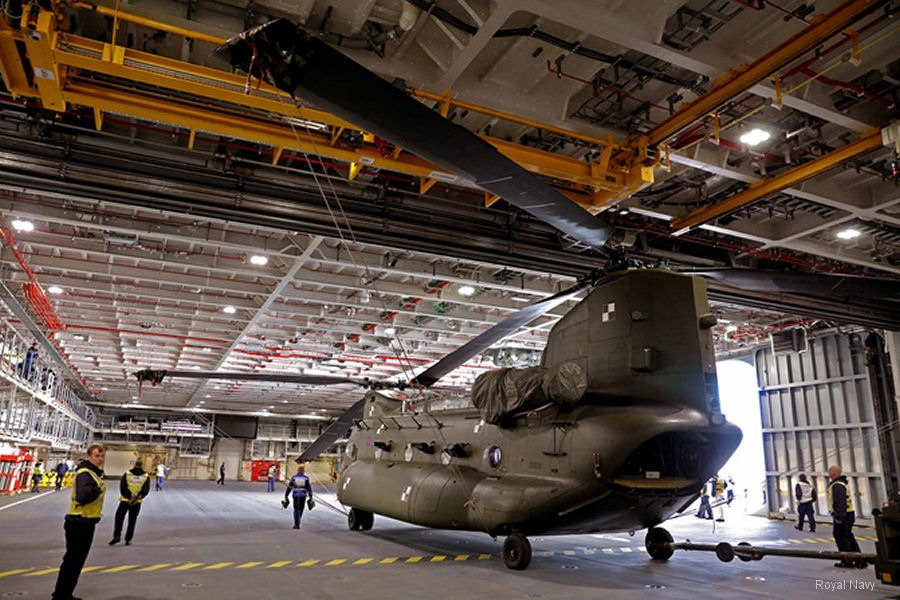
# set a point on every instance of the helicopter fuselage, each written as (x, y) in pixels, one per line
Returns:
(604, 465)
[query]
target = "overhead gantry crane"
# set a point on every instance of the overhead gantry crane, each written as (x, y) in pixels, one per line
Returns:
(40, 60)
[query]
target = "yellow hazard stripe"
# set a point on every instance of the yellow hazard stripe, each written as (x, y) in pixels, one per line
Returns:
(249, 565)
(335, 562)
(41, 572)
(279, 564)
(187, 566)
(119, 569)
(309, 563)
(220, 565)
(13, 572)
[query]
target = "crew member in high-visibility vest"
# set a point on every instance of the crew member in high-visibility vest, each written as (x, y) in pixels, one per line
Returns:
(840, 505)
(271, 474)
(36, 477)
(88, 491)
(133, 488)
(718, 490)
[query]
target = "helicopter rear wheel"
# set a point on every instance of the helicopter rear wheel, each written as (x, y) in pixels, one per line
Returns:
(360, 520)
(517, 552)
(658, 542)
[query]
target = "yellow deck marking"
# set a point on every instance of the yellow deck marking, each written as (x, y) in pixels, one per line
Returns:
(13, 572)
(389, 560)
(413, 559)
(822, 540)
(484, 557)
(462, 557)
(94, 568)
(608, 550)
(438, 558)
(796, 541)
(120, 568)
(308, 563)
(335, 562)
(625, 549)
(41, 572)
(279, 564)
(249, 565)
(810, 541)
(220, 565)
(155, 567)
(363, 561)
(187, 566)
(569, 552)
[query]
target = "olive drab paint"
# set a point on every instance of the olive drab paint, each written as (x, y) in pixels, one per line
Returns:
(594, 466)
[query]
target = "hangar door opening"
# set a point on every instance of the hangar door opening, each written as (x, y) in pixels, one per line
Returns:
(817, 409)
(739, 399)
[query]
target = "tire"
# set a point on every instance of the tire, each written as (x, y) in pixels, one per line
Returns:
(517, 552)
(353, 520)
(360, 520)
(657, 543)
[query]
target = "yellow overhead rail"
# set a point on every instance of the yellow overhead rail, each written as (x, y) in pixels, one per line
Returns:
(198, 98)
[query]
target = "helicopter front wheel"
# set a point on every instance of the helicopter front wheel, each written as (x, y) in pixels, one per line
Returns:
(517, 552)
(658, 543)
(360, 520)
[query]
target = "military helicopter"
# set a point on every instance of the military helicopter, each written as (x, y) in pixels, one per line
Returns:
(615, 431)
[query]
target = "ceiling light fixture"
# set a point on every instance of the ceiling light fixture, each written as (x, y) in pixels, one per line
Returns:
(230, 310)
(755, 136)
(55, 289)
(466, 290)
(390, 331)
(849, 234)
(78, 338)
(259, 259)
(207, 349)
(22, 225)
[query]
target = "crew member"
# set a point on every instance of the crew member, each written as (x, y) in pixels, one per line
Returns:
(161, 473)
(705, 512)
(300, 488)
(804, 493)
(88, 491)
(221, 480)
(272, 473)
(133, 488)
(61, 469)
(36, 477)
(718, 490)
(840, 505)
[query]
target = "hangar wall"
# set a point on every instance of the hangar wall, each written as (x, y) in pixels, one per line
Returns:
(817, 409)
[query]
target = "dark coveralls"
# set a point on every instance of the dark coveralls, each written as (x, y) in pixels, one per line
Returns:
(301, 488)
(840, 504)
(221, 480)
(81, 520)
(61, 469)
(130, 499)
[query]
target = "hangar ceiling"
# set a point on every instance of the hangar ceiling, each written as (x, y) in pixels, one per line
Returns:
(149, 230)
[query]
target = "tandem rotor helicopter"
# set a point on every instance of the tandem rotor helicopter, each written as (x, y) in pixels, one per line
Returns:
(615, 431)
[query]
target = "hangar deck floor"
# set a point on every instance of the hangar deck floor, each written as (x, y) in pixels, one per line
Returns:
(195, 540)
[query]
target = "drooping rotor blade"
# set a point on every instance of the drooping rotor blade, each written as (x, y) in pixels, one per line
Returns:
(304, 66)
(156, 376)
(334, 432)
(485, 340)
(766, 280)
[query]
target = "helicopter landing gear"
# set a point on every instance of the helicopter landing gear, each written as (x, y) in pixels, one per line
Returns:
(360, 520)
(517, 552)
(658, 542)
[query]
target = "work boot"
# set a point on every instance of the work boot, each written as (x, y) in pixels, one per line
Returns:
(114, 541)
(798, 528)
(127, 542)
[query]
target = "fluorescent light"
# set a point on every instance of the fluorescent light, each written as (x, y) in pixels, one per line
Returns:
(731, 328)
(466, 290)
(229, 310)
(134, 397)
(195, 367)
(849, 233)
(208, 396)
(23, 225)
(390, 331)
(78, 338)
(755, 136)
(55, 289)
(259, 259)
(520, 298)
(207, 349)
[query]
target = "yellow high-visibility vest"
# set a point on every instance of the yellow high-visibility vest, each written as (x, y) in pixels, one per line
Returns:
(91, 510)
(846, 493)
(135, 484)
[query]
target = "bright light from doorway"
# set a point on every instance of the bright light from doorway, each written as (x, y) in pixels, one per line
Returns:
(466, 290)
(849, 234)
(739, 397)
(259, 259)
(754, 137)
(22, 225)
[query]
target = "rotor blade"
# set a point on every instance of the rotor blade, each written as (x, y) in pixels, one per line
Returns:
(307, 67)
(334, 432)
(765, 280)
(485, 340)
(157, 375)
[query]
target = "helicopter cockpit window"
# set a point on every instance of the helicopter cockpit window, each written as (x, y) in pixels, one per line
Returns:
(493, 456)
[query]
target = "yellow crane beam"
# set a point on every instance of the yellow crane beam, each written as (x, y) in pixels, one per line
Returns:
(765, 187)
